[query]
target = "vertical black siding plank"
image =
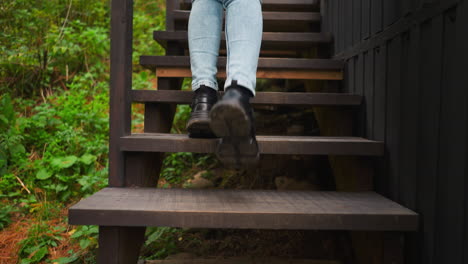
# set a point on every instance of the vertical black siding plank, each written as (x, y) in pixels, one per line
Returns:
(335, 22)
(393, 113)
(329, 15)
(348, 26)
(462, 81)
(430, 80)
(376, 16)
(366, 19)
(359, 89)
(341, 32)
(390, 12)
(380, 88)
(452, 146)
(369, 93)
(380, 92)
(406, 7)
(349, 79)
(409, 118)
(323, 14)
(357, 21)
(359, 74)
(410, 133)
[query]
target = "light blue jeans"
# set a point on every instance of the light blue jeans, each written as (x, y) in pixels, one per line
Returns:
(244, 26)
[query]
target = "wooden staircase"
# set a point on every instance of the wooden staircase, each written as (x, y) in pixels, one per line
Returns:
(131, 202)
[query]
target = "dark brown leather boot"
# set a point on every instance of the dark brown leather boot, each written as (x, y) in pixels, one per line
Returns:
(198, 126)
(232, 120)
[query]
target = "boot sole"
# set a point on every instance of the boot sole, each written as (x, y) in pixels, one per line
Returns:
(237, 148)
(200, 128)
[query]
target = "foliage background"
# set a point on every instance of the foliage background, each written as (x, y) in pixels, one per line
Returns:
(54, 92)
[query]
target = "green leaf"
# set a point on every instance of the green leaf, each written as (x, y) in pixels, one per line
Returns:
(60, 187)
(65, 260)
(64, 162)
(88, 159)
(17, 149)
(43, 174)
(4, 119)
(77, 234)
(84, 243)
(26, 261)
(40, 254)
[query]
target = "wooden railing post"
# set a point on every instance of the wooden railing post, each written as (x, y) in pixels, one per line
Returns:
(120, 244)
(121, 35)
(171, 5)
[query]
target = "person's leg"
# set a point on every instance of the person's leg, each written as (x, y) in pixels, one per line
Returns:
(232, 118)
(204, 34)
(244, 27)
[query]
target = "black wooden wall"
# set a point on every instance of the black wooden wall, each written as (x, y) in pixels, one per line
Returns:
(409, 58)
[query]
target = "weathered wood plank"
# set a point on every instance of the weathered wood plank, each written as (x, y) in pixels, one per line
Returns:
(270, 40)
(263, 63)
(241, 260)
(119, 244)
(120, 83)
(301, 145)
(262, 98)
(114, 243)
(242, 209)
(268, 16)
(287, 5)
(261, 74)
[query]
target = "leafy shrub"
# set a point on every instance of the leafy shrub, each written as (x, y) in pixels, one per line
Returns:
(161, 242)
(5, 215)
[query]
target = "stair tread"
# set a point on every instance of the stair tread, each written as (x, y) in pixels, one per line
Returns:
(279, 2)
(270, 40)
(267, 16)
(241, 260)
(265, 209)
(300, 145)
(263, 63)
(262, 98)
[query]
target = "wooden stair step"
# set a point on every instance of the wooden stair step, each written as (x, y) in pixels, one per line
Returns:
(299, 145)
(262, 98)
(310, 17)
(270, 40)
(153, 62)
(277, 4)
(272, 20)
(241, 260)
(268, 68)
(243, 209)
